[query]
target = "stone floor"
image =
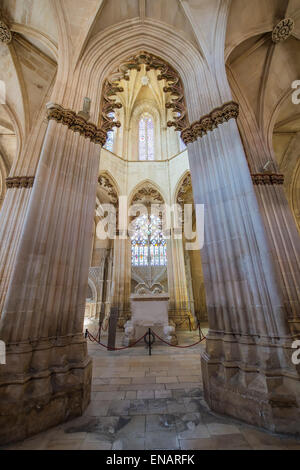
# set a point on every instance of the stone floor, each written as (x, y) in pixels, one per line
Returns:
(142, 402)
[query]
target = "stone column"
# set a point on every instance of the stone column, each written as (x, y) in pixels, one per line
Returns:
(12, 215)
(14, 209)
(269, 185)
(97, 273)
(121, 277)
(108, 284)
(3, 175)
(280, 225)
(189, 283)
(247, 368)
(181, 301)
(171, 278)
(284, 241)
(48, 373)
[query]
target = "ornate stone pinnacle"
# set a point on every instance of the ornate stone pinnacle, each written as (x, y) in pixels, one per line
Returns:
(210, 121)
(282, 30)
(85, 112)
(5, 33)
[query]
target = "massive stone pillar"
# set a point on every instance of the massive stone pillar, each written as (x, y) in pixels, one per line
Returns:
(280, 225)
(247, 366)
(12, 215)
(284, 241)
(47, 377)
(14, 208)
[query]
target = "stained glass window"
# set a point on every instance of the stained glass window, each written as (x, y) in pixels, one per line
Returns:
(146, 137)
(109, 144)
(148, 243)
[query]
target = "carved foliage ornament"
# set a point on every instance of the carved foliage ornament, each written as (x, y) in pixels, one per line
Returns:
(174, 87)
(283, 30)
(5, 33)
(210, 122)
(20, 182)
(76, 123)
(108, 187)
(267, 178)
(148, 194)
(185, 188)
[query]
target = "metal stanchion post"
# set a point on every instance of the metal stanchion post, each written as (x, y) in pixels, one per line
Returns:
(149, 334)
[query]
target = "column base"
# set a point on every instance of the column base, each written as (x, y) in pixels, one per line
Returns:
(43, 386)
(269, 402)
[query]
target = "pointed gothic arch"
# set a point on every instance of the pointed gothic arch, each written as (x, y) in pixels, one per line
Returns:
(174, 88)
(146, 192)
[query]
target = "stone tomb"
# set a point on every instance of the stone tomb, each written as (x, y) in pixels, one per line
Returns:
(149, 311)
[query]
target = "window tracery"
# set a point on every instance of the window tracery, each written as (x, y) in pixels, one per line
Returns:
(148, 243)
(146, 137)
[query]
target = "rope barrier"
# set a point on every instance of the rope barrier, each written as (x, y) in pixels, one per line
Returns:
(94, 340)
(176, 345)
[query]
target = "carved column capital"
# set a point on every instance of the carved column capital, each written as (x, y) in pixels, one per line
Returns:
(283, 30)
(267, 179)
(210, 122)
(5, 33)
(20, 182)
(76, 123)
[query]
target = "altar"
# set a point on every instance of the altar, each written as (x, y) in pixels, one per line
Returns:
(149, 310)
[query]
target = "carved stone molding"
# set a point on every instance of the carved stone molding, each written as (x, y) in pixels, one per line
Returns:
(210, 122)
(282, 30)
(185, 190)
(5, 33)
(267, 178)
(76, 123)
(174, 87)
(108, 106)
(109, 188)
(20, 182)
(147, 195)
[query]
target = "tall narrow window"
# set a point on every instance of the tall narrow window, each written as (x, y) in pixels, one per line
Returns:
(148, 244)
(146, 137)
(109, 144)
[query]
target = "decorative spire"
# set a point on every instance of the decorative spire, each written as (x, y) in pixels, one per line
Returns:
(85, 112)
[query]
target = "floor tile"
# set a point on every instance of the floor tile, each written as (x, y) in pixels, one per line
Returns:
(153, 402)
(163, 440)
